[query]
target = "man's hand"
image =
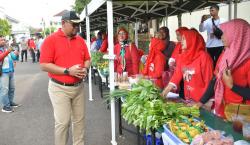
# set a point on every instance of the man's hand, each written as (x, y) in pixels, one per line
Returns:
(77, 71)
(10, 49)
(227, 78)
(85, 72)
(204, 18)
(16, 52)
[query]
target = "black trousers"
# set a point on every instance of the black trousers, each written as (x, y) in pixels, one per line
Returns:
(33, 55)
(38, 55)
(215, 52)
(24, 52)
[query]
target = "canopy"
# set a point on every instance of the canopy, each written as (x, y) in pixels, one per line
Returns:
(133, 11)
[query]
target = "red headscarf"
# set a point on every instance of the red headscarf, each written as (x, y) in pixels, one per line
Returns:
(178, 45)
(156, 48)
(181, 29)
(237, 34)
(194, 46)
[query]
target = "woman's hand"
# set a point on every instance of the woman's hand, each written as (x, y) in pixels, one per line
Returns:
(166, 91)
(227, 78)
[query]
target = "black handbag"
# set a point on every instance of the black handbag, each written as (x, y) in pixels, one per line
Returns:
(217, 31)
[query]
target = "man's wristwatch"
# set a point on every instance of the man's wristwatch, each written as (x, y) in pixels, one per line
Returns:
(66, 71)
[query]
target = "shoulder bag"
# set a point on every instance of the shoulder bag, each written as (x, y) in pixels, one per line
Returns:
(217, 31)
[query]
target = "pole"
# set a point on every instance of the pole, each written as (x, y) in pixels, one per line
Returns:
(88, 45)
(235, 8)
(229, 9)
(166, 18)
(136, 34)
(179, 20)
(111, 66)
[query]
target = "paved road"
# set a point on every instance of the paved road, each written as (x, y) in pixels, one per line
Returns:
(33, 124)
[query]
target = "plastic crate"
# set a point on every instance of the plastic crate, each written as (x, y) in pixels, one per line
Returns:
(170, 138)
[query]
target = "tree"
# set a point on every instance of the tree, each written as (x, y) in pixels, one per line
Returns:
(79, 5)
(5, 27)
(49, 30)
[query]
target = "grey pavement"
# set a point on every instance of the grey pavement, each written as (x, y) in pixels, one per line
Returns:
(33, 122)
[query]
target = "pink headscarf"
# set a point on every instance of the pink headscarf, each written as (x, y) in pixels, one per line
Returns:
(237, 34)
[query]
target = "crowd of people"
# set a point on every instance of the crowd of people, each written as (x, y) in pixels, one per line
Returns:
(9, 55)
(209, 74)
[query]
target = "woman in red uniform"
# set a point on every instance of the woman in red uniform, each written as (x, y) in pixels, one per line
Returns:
(177, 49)
(104, 46)
(127, 57)
(156, 61)
(194, 67)
(236, 58)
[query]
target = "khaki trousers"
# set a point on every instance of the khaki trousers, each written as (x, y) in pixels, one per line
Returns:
(68, 104)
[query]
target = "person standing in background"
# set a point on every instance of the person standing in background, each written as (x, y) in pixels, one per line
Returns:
(214, 44)
(23, 48)
(7, 80)
(38, 46)
(32, 47)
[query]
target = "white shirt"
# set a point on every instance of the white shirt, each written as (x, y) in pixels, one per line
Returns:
(212, 41)
(23, 45)
(39, 44)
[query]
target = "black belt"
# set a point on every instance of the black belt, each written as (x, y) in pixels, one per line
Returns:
(66, 84)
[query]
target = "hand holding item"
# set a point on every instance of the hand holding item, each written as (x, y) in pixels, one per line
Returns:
(227, 78)
(204, 18)
(77, 71)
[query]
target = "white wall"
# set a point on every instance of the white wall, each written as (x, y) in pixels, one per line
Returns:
(194, 19)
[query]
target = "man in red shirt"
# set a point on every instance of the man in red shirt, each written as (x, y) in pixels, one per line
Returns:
(65, 57)
(32, 47)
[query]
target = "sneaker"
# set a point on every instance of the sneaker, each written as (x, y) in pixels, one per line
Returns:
(7, 109)
(15, 105)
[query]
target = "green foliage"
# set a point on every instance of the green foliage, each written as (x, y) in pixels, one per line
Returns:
(79, 5)
(96, 57)
(49, 30)
(5, 27)
(144, 107)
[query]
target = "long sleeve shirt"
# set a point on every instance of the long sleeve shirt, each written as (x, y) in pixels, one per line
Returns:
(131, 58)
(7, 59)
(200, 73)
(207, 25)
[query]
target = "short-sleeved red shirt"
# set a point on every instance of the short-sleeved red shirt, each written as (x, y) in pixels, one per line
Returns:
(64, 52)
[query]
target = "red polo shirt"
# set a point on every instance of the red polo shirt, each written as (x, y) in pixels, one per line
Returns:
(64, 52)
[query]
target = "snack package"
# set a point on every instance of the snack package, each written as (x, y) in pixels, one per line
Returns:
(214, 137)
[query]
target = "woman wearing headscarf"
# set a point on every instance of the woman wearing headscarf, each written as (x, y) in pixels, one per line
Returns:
(156, 61)
(104, 46)
(194, 66)
(127, 57)
(177, 49)
(235, 60)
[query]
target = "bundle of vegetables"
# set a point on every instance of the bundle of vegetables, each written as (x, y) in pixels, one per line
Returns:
(103, 67)
(145, 108)
(96, 57)
(187, 128)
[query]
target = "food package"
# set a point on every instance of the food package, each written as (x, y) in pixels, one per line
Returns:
(213, 137)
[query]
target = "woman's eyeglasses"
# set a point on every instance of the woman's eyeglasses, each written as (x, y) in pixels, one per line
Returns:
(121, 33)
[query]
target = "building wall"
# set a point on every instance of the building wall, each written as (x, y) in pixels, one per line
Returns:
(193, 19)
